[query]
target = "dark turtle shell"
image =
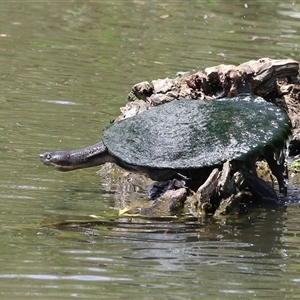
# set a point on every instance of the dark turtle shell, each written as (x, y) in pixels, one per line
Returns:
(191, 134)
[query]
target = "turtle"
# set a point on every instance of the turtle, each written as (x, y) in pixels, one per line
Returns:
(177, 140)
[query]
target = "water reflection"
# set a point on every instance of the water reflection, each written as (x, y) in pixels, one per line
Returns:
(191, 253)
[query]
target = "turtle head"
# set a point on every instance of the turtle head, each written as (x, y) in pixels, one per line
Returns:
(91, 156)
(60, 160)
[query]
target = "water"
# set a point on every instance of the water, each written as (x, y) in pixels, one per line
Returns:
(66, 68)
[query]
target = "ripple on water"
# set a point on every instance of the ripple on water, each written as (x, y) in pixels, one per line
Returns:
(63, 102)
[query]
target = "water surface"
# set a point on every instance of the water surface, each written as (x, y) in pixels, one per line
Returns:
(66, 68)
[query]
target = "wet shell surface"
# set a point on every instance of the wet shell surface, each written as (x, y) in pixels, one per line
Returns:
(191, 134)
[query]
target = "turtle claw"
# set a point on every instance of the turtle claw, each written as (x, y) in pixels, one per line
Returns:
(183, 177)
(278, 168)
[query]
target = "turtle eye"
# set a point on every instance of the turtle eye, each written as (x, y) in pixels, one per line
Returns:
(48, 156)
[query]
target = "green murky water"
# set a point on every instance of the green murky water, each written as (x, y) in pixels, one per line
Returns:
(66, 68)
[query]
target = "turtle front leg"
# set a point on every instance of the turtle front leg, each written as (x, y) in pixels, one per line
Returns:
(158, 188)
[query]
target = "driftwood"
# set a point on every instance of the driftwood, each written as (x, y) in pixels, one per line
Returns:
(274, 80)
(257, 77)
